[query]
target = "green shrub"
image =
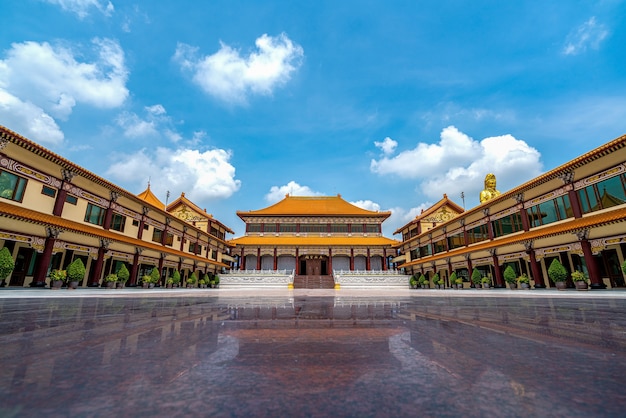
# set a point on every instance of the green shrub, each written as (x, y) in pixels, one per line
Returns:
(556, 271)
(509, 275)
(7, 264)
(176, 276)
(476, 276)
(155, 275)
(76, 271)
(123, 274)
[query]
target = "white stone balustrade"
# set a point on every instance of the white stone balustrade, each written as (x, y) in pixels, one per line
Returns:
(257, 278)
(370, 278)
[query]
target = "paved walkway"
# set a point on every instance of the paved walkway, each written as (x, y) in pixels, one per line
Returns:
(261, 292)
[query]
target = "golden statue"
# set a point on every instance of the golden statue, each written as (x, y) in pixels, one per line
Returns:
(490, 188)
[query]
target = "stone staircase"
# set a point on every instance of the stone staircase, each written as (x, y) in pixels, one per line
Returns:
(313, 282)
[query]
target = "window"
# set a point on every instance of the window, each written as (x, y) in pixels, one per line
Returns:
(550, 211)
(339, 228)
(287, 227)
(477, 234)
(602, 195)
(507, 225)
(269, 227)
(118, 222)
(456, 241)
(169, 239)
(48, 191)
(414, 254)
(94, 214)
(156, 235)
(72, 200)
(192, 247)
(357, 228)
(12, 186)
(440, 246)
(425, 250)
(253, 227)
(314, 228)
(372, 228)
(135, 222)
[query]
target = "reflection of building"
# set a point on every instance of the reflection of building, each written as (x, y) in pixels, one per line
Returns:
(576, 213)
(53, 211)
(313, 236)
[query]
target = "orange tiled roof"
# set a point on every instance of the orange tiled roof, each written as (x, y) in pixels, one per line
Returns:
(312, 206)
(573, 226)
(443, 202)
(149, 197)
(182, 200)
(28, 215)
(309, 240)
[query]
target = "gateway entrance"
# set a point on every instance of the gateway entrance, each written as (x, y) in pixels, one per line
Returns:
(313, 273)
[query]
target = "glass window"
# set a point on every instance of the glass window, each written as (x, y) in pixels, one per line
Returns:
(425, 250)
(287, 227)
(602, 195)
(456, 241)
(269, 227)
(372, 228)
(414, 254)
(339, 228)
(440, 246)
(72, 200)
(48, 191)
(507, 225)
(314, 228)
(118, 222)
(357, 228)
(550, 211)
(254, 227)
(156, 235)
(477, 234)
(94, 214)
(12, 186)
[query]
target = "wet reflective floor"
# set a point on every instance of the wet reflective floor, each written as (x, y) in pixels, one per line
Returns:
(313, 356)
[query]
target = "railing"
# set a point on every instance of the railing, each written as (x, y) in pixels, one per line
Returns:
(262, 278)
(370, 278)
(261, 272)
(368, 272)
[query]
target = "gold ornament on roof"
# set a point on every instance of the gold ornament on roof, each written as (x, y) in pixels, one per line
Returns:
(490, 188)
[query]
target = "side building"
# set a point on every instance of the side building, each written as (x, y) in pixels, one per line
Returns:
(313, 236)
(53, 211)
(575, 213)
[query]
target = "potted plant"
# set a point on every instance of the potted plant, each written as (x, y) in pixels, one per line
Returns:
(580, 279)
(216, 281)
(57, 277)
(7, 264)
(122, 276)
(175, 278)
(510, 277)
(558, 274)
(486, 282)
(75, 273)
(169, 283)
(146, 281)
(453, 279)
(191, 280)
(202, 283)
(524, 281)
(459, 283)
(110, 280)
(413, 282)
(155, 276)
(476, 278)
(436, 281)
(423, 281)
(207, 280)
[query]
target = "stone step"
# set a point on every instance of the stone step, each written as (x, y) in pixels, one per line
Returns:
(313, 282)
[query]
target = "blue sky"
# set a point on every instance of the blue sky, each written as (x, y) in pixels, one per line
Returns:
(390, 104)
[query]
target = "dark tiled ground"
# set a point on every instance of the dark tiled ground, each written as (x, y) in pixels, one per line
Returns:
(313, 356)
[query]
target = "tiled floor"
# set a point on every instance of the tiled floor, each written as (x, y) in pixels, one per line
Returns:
(312, 353)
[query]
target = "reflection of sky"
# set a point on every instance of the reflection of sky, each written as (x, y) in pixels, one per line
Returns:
(313, 356)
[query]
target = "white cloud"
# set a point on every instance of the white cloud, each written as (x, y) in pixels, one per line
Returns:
(231, 77)
(202, 175)
(82, 7)
(155, 123)
(388, 146)
(51, 78)
(398, 218)
(457, 163)
(278, 193)
(367, 205)
(588, 35)
(29, 120)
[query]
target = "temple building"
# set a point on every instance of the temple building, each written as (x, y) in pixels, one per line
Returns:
(575, 213)
(313, 236)
(53, 211)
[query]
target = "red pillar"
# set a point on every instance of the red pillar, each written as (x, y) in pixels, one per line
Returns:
(43, 262)
(134, 268)
(368, 263)
(258, 258)
(297, 261)
(592, 266)
(242, 264)
(330, 261)
(97, 270)
(161, 279)
(384, 259)
(498, 270)
(536, 270)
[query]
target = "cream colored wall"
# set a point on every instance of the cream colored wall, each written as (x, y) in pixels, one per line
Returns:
(34, 199)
